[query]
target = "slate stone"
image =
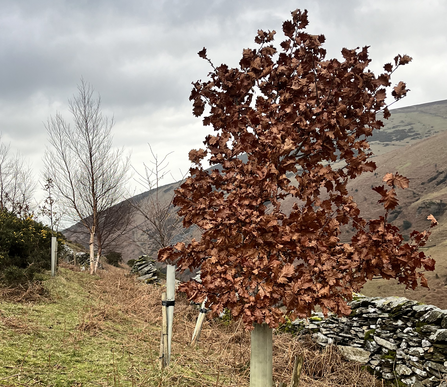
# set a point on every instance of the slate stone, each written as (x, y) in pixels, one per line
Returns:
(435, 366)
(403, 370)
(433, 315)
(385, 343)
(439, 335)
(354, 354)
(388, 375)
(416, 351)
(422, 309)
(409, 381)
(419, 372)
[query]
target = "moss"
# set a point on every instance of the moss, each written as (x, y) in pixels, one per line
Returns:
(369, 335)
(288, 327)
(396, 311)
(391, 355)
(419, 325)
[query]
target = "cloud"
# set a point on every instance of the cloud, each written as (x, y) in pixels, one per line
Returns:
(141, 56)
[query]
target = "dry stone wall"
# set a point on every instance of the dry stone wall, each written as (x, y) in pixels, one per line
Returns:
(398, 339)
(146, 270)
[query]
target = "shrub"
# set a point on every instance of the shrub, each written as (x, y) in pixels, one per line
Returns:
(25, 247)
(114, 258)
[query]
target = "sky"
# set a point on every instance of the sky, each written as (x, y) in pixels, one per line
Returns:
(141, 57)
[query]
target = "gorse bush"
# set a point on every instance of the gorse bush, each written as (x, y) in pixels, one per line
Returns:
(24, 248)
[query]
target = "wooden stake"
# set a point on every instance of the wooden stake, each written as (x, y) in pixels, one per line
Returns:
(164, 334)
(161, 358)
(297, 367)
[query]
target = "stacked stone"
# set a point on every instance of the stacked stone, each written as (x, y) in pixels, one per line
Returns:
(66, 253)
(145, 267)
(396, 337)
(83, 259)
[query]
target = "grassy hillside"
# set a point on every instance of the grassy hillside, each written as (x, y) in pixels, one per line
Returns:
(425, 164)
(82, 330)
(409, 125)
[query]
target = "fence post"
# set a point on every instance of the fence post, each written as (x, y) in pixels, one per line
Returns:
(296, 374)
(164, 334)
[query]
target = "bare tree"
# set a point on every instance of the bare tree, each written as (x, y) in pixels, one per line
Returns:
(49, 209)
(88, 174)
(160, 223)
(114, 224)
(16, 183)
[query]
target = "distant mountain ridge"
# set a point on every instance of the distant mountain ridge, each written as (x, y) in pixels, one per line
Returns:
(413, 142)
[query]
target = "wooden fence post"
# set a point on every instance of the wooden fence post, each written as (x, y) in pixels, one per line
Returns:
(164, 334)
(297, 367)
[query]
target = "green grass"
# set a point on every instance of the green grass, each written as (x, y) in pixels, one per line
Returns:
(71, 340)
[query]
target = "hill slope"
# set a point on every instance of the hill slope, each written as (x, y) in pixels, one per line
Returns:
(413, 143)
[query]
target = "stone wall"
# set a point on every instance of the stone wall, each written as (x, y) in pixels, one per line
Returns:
(397, 338)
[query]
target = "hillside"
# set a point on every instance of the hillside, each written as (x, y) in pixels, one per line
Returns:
(413, 143)
(409, 125)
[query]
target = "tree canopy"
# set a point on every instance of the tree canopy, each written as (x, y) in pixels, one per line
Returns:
(290, 123)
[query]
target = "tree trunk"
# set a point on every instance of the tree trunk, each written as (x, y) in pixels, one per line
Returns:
(261, 367)
(97, 261)
(92, 251)
(99, 253)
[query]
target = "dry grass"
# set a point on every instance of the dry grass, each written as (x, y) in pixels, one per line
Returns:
(224, 348)
(31, 292)
(114, 308)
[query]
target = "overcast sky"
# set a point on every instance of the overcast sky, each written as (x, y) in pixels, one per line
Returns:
(141, 56)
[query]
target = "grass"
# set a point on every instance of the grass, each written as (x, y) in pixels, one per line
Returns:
(104, 330)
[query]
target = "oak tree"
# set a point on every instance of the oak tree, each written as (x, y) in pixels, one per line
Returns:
(290, 124)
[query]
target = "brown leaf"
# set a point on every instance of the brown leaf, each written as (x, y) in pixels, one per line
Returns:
(396, 180)
(388, 67)
(400, 90)
(202, 53)
(195, 156)
(286, 272)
